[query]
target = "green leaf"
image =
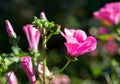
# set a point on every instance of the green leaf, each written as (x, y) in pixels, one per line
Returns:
(104, 37)
(96, 68)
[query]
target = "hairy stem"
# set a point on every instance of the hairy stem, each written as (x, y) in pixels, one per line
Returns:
(44, 43)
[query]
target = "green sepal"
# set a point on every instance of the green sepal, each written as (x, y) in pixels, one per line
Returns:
(72, 59)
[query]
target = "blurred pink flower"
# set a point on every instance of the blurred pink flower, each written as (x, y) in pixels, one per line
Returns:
(111, 38)
(40, 72)
(28, 68)
(105, 34)
(33, 36)
(9, 29)
(103, 30)
(40, 69)
(61, 79)
(11, 78)
(110, 47)
(77, 42)
(109, 13)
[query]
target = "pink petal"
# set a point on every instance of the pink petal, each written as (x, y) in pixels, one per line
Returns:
(40, 69)
(33, 36)
(80, 35)
(71, 48)
(27, 31)
(69, 32)
(37, 38)
(69, 35)
(71, 39)
(12, 79)
(88, 46)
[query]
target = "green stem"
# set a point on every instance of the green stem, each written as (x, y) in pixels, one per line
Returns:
(113, 76)
(44, 63)
(113, 66)
(35, 58)
(68, 62)
(49, 36)
(51, 80)
(44, 70)
(108, 79)
(44, 43)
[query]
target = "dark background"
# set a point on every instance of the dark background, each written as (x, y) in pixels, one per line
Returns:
(67, 13)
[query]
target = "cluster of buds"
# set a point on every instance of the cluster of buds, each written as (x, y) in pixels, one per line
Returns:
(42, 22)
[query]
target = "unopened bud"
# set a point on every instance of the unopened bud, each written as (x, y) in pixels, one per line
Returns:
(9, 29)
(42, 15)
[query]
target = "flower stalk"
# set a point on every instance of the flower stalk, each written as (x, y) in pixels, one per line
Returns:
(68, 62)
(35, 56)
(44, 43)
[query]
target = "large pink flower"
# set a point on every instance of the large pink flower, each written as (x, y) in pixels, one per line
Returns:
(77, 42)
(110, 13)
(9, 29)
(33, 36)
(28, 68)
(11, 78)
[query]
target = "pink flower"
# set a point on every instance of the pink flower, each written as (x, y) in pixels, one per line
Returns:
(110, 47)
(40, 71)
(110, 13)
(77, 42)
(61, 79)
(9, 29)
(11, 77)
(28, 68)
(33, 36)
(103, 30)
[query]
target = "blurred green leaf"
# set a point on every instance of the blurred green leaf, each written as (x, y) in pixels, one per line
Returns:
(96, 68)
(104, 37)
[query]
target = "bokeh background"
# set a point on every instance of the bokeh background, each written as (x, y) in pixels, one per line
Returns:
(68, 13)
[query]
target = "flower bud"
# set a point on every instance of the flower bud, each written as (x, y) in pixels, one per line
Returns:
(42, 15)
(28, 68)
(9, 29)
(11, 77)
(33, 36)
